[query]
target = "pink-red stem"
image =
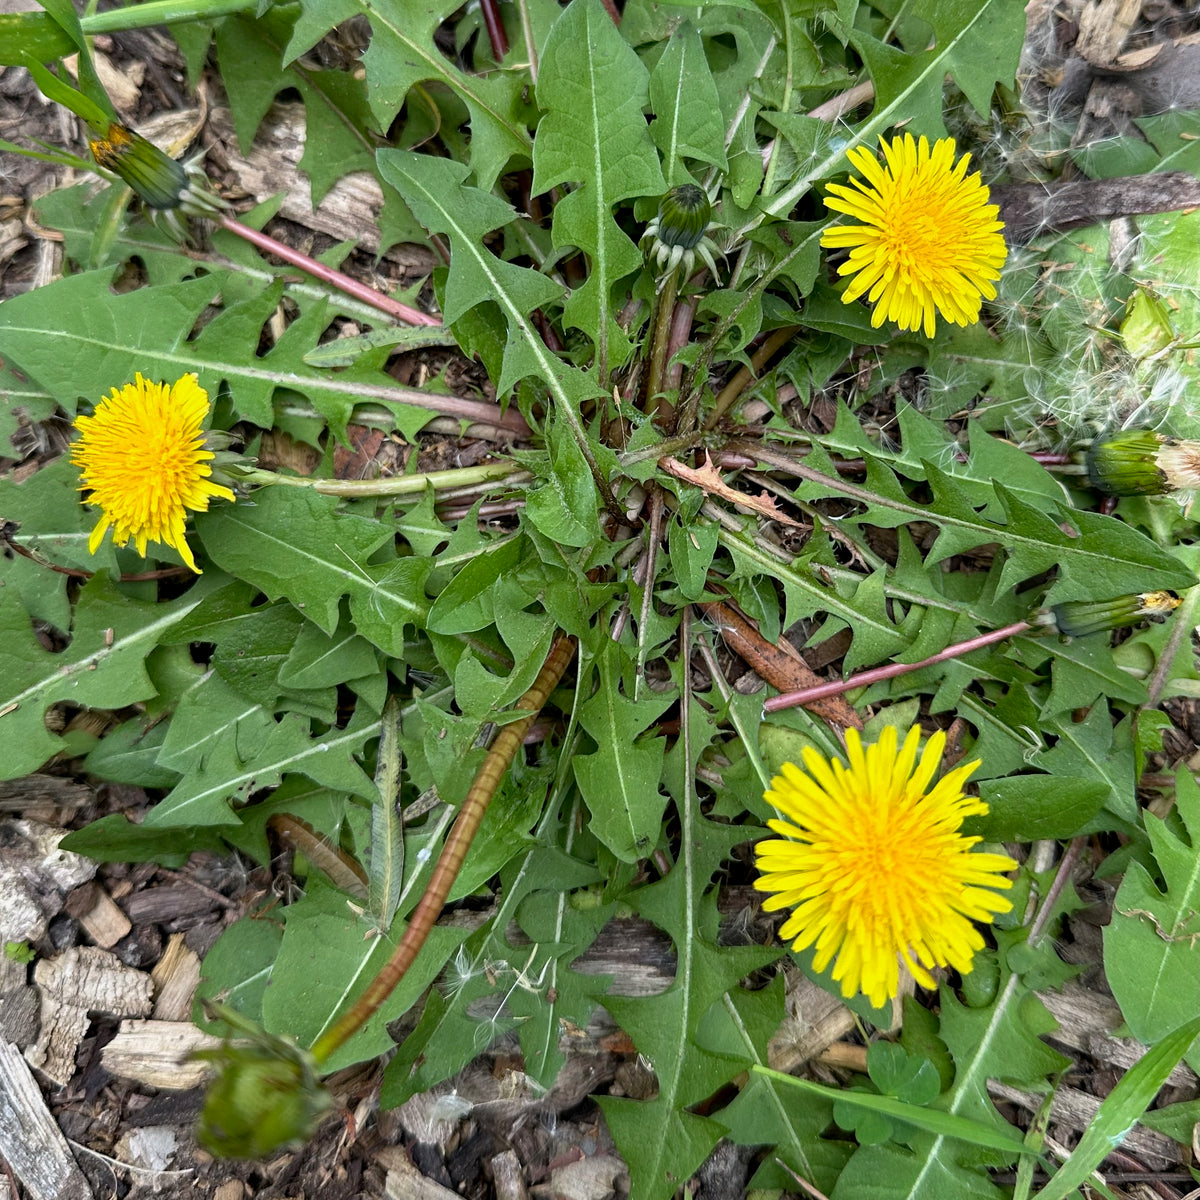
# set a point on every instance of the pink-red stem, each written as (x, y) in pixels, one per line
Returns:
(837, 686)
(335, 279)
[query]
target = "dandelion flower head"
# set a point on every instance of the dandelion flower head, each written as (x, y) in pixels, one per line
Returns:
(142, 457)
(928, 241)
(870, 859)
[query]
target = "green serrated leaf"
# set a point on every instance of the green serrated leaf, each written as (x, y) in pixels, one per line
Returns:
(1152, 944)
(204, 795)
(687, 110)
(104, 666)
(403, 53)
(33, 34)
(237, 970)
(1027, 808)
(115, 838)
(765, 1111)
(323, 928)
(435, 190)
(620, 780)
(593, 88)
(293, 543)
(77, 338)
(662, 1143)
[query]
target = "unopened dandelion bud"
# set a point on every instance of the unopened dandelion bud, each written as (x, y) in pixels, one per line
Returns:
(1140, 462)
(266, 1095)
(1078, 618)
(683, 216)
(679, 232)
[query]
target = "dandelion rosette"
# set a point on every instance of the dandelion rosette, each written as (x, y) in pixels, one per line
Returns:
(871, 859)
(929, 241)
(143, 458)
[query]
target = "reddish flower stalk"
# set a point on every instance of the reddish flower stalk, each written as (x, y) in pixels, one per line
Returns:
(335, 279)
(454, 852)
(495, 28)
(837, 686)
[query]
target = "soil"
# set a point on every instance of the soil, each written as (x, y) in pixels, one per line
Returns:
(132, 1139)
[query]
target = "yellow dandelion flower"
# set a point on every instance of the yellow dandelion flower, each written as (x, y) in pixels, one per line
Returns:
(142, 457)
(875, 867)
(929, 241)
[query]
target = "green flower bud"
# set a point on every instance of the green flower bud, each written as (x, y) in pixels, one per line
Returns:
(1139, 462)
(683, 216)
(1078, 618)
(679, 233)
(266, 1095)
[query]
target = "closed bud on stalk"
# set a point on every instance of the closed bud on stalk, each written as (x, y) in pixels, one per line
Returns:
(1078, 618)
(683, 216)
(680, 230)
(266, 1095)
(1140, 462)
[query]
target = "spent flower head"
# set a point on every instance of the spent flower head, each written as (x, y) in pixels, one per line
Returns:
(171, 190)
(871, 860)
(142, 456)
(928, 241)
(1078, 618)
(1140, 462)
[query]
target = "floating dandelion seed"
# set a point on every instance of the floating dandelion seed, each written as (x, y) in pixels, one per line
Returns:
(142, 457)
(874, 866)
(929, 241)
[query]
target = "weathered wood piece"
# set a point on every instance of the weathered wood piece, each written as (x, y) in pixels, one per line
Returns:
(1075, 1110)
(81, 980)
(43, 797)
(352, 205)
(30, 1141)
(1103, 27)
(1028, 209)
(1086, 1021)
(101, 917)
(34, 877)
(158, 1054)
(19, 1004)
(169, 902)
(405, 1182)
(507, 1177)
(175, 977)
